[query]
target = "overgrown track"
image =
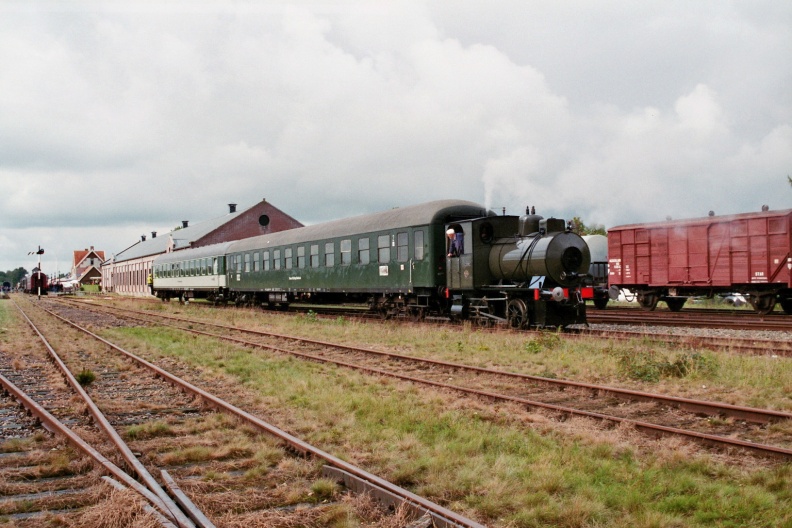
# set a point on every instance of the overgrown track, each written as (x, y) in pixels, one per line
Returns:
(41, 478)
(711, 423)
(173, 426)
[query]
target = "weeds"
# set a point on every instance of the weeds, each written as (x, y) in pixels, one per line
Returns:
(85, 377)
(651, 366)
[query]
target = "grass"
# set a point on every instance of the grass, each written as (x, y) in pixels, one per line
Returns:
(502, 465)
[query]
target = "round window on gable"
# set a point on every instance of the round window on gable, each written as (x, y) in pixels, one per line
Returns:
(264, 220)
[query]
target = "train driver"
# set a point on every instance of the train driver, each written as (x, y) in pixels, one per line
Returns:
(455, 247)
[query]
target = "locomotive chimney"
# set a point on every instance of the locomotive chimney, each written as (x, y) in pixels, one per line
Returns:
(185, 223)
(153, 234)
(142, 238)
(232, 208)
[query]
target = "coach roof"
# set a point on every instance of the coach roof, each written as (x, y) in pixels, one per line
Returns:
(213, 250)
(438, 212)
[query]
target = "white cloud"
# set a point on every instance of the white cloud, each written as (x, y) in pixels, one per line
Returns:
(120, 115)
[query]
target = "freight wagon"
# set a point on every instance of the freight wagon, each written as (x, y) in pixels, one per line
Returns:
(672, 261)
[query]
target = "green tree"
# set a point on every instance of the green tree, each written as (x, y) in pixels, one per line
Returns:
(582, 229)
(13, 276)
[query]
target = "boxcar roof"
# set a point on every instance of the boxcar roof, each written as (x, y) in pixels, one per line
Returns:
(705, 220)
(438, 212)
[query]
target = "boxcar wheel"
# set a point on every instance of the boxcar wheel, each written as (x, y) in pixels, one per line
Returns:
(600, 303)
(648, 300)
(675, 303)
(763, 304)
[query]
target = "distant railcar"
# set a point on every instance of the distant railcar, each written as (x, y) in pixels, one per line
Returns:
(36, 283)
(671, 261)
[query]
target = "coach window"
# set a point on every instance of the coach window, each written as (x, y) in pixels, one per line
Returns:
(418, 243)
(383, 249)
(363, 251)
(346, 252)
(329, 255)
(402, 245)
(256, 261)
(287, 253)
(301, 257)
(238, 263)
(276, 262)
(266, 259)
(314, 255)
(247, 262)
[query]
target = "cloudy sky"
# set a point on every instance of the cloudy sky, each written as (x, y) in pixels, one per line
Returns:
(122, 118)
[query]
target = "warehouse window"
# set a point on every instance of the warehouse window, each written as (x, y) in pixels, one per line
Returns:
(383, 249)
(363, 251)
(315, 255)
(301, 257)
(266, 259)
(418, 243)
(289, 260)
(346, 252)
(276, 262)
(402, 245)
(329, 254)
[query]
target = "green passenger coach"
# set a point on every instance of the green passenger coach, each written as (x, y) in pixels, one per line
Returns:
(394, 260)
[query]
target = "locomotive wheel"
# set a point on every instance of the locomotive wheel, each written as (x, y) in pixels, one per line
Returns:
(786, 305)
(648, 300)
(675, 303)
(763, 304)
(517, 313)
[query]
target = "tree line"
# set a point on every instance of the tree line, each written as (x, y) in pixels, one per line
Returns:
(13, 276)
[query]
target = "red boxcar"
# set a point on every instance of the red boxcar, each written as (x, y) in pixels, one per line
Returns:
(670, 261)
(35, 283)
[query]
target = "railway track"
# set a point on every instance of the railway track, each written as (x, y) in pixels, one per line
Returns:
(183, 437)
(735, 319)
(711, 423)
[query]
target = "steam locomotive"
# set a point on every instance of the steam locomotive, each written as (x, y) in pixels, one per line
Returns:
(449, 258)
